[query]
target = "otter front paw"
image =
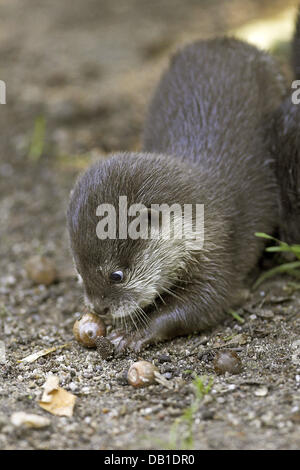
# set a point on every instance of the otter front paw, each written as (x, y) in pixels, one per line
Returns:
(128, 340)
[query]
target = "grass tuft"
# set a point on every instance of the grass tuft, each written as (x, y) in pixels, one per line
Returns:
(182, 430)
(292, 268)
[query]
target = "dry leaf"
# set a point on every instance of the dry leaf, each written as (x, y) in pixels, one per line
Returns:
(238, 339)
(55, 399)
(162, 380)
(62, 403)
(30, 420)
(33, 357)
(49, 386)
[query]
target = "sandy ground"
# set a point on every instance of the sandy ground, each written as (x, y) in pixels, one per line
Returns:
(88, 67)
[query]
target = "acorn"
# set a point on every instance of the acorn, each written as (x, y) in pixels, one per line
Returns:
(41, 270)
(88, 329)
(141, 374)
(227, 361)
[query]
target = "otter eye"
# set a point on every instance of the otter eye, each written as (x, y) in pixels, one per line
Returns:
(117, 276)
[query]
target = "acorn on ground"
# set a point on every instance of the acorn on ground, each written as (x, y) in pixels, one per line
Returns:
(141, 374)
(227, 361)
(88, 329)
(41, 270)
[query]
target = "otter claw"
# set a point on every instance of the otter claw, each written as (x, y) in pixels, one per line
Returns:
(115, 337)
(123, 341)
(119, 340)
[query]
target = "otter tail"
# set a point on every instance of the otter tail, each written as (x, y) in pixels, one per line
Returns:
(296, 48)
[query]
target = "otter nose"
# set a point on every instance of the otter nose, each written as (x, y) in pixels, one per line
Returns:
(101, 311)
(101, 307)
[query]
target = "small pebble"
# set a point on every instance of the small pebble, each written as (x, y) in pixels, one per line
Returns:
(261, 392)
(9, 280)
(207, 415)
(20, 418)
(122, 378)
(163, 358)
(168, 375)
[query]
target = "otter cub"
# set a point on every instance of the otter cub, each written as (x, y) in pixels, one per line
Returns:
(285, 146)
(204, 143)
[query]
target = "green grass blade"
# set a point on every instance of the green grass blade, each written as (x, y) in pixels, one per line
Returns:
(236, 316)
(38, 139)
(283, 268)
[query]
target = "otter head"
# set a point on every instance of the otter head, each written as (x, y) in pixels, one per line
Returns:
(126, 259)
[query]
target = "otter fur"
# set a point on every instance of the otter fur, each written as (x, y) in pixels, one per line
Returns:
(204, 143)
(285, 148)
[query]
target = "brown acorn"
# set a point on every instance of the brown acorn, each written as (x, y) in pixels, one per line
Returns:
(88, 328)
(227, 361)
(141, 374)
(41, 270)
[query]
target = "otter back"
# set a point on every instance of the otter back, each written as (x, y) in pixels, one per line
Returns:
(211, 109)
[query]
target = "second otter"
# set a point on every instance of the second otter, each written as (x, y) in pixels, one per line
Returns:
(203, 144)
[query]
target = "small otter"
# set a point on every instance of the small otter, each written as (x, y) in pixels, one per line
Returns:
(204, 143)
(285, 147)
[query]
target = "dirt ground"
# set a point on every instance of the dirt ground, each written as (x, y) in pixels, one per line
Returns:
(88, 68)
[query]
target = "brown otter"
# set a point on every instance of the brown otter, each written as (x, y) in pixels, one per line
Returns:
(204, 143)
(285, 147)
